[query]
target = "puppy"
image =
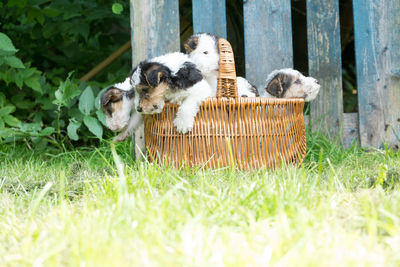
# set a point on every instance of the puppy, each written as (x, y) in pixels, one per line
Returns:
(290, 83)
(172, 77)
(202, 48)
(117, 103)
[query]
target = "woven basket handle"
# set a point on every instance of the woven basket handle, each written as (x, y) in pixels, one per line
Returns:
(226, 86)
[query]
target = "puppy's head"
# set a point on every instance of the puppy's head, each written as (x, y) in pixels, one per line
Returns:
(289, 83)
(151, 85)
(117, 105)
(203, 51)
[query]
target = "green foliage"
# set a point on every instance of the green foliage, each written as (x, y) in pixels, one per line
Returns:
(44, 47)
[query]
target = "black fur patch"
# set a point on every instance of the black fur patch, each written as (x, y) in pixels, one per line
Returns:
(186, 77)
(253, 89)
(152, 73)
(191, 44)
(279, 84)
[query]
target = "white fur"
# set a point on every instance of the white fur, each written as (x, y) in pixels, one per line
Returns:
(174, 61)
(206, 58)
(120, 118)
(125, 85)
(307, 89)
(135, 78)
(244, 87)
(190, 101)
(127, 120)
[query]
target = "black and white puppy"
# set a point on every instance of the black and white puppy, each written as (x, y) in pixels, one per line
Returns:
(290, 83)
(118, 105)
(172, 77)
(202, 48)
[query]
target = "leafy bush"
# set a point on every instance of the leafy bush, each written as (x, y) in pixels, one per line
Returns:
(41, 100)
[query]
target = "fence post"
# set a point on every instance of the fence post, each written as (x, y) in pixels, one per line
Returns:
(268, 39)
(155, 28)
(324, 60)
(377, 44)
(209, 16)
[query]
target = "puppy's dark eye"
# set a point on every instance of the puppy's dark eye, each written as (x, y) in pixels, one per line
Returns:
(297, 81)
(205, 52)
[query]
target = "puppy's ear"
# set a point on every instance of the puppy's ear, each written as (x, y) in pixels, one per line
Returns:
(191, 44)
(278, 86)
(156, 75)
(112, 94)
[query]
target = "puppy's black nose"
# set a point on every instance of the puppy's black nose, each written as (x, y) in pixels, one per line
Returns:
(155, 106)
(316, 81)
(139, 109)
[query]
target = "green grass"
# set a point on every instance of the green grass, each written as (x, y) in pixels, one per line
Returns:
(341, 208)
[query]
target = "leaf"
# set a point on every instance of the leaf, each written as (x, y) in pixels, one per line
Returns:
(30, 127)
(101, 117)
(94, 126)
(46, 131)
(5, 133)
(51, 12)
(86, 101)
(35, 13)
(11, 120)
(117, 8)
(20, 102)
(19, 3)
(14, 62)
(73, 126)
(33, 82)
(97, 100)
(6, 45)
(7, 110)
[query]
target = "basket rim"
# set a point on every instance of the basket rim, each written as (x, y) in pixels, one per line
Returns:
(242, 100)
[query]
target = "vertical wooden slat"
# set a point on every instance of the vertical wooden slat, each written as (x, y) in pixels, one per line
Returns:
(377, 44)
(209, 16)
(392, 110)
(268, 39)
(155, 28)
(324, 60)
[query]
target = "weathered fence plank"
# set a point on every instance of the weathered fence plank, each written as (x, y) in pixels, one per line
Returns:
(324, 61)
(268, 39)
(209, 16)
(377, 47)
(155, 28)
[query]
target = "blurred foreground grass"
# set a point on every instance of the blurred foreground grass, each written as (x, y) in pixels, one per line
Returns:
(341, 208)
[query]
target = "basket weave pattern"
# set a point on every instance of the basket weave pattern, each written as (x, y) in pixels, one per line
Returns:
(247, 132)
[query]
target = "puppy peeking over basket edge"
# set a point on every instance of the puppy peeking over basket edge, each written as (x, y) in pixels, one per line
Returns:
(172, 77)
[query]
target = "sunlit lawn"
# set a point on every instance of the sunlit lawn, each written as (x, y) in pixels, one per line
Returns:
(341, 208)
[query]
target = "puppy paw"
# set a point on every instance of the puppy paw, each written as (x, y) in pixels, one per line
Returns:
(121, 137)
(183, 125)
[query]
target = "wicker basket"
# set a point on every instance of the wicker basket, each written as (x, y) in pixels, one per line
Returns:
(249, 132)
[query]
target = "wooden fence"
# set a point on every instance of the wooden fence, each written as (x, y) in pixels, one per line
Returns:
(268, 46)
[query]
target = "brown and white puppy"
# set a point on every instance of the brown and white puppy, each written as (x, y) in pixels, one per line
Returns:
(172, 77)
(202, 48)
(290, 83)
(118, 105)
